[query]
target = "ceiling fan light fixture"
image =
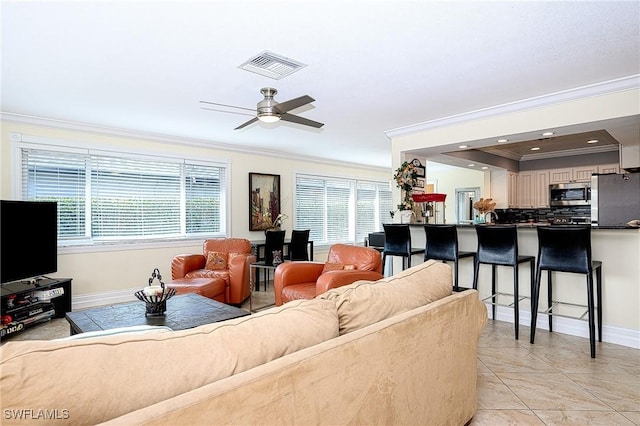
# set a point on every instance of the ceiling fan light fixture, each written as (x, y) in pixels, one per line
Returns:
(269, 118)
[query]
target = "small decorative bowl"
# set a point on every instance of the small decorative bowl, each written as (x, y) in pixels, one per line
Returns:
(156, 304)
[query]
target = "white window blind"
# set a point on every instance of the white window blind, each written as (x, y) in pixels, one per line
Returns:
(339, 210)
(205, 194)
(117, 197)
(61, 177)
(133, 198)
(374, 202)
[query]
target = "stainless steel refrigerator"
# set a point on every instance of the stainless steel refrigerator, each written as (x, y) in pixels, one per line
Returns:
(615, 199)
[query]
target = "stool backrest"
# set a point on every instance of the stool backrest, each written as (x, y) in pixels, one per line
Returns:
(298, 245)
(441, 242)
(274, 241)
(397, 239)
(565, 248)
(497, 244)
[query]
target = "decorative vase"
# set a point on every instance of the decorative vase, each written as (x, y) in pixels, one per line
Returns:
(273, 228)
(405, 216)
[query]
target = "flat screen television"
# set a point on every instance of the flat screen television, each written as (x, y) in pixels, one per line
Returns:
(28, 239)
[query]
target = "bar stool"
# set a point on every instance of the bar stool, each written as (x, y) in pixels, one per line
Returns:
(567, 249)
(442, 244)
(397, 242)
(498, 245)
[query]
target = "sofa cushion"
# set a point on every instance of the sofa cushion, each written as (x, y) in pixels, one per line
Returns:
(330, 266)
(367, 302)
(216, 261)
(122, 373)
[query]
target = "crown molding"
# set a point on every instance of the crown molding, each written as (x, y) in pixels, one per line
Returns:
(597, 89)
(112, 131)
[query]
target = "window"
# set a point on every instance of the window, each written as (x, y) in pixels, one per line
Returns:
(116, 197)
(338, 210)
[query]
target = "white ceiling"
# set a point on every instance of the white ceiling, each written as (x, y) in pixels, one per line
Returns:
(372, 66)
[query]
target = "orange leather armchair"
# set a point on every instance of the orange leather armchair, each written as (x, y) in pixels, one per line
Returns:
(305, 280)
(236, 272)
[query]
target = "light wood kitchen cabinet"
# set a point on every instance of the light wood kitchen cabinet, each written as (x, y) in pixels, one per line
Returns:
(574, 174)
(609, 168)
(541, 189)
(560, 175)
(512, 189)
(583, 174)
(526, 189)
(533, 189)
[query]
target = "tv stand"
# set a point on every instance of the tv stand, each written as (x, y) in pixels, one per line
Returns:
(24, 304)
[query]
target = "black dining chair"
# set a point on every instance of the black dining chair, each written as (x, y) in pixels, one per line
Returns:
(397, 242)
(498, 246)
(568, 249)
(298, 246)
(442, 244)
(274, 242)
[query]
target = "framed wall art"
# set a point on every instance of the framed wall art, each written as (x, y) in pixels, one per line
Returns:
(264, 200)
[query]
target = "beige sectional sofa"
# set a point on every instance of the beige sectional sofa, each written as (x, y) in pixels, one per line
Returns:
(401, 350)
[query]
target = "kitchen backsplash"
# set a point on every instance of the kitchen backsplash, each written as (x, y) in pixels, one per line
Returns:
(541, 215)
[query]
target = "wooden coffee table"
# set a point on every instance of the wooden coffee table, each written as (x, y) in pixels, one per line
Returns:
(184, 311)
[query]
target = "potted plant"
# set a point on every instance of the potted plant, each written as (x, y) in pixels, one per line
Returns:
(406, 177)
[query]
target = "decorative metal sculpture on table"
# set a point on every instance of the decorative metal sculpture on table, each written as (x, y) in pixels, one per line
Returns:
(155, 296)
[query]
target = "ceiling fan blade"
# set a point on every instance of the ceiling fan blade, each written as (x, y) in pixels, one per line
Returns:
(227, 106)
(300, 120)
(253, 120)
(229, 112)
(285, 106)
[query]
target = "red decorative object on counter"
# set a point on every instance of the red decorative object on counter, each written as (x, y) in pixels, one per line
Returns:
(424, 198)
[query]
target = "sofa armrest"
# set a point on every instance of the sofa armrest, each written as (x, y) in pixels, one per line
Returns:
(184, 263)
(289, 273)
(298, 272)
(333, 279)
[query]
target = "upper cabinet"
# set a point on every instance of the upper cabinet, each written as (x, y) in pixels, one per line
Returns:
(533, 189)
(512, 189)
(573, 174)
(530, 189)
(609, 168)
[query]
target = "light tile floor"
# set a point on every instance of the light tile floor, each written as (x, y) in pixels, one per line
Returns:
(553, 382)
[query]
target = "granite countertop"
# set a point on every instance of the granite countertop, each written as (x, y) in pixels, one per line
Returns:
(525, 225)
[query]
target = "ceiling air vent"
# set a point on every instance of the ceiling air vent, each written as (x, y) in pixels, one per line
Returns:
(272, 65)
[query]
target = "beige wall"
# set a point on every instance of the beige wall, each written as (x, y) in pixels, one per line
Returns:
(105, 271)
(450, 178)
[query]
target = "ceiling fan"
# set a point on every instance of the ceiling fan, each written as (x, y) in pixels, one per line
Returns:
(269, 110)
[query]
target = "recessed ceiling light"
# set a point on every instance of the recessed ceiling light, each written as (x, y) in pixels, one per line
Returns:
(535, 148)
(547, 134)
(593, 141)
(471, 165)
(484, 167)
(463, 146)
(503, 140)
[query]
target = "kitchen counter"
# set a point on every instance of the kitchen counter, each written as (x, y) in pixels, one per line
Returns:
(528, 225)
(617, 247)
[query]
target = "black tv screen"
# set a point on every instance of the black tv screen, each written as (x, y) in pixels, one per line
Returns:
(28, 239)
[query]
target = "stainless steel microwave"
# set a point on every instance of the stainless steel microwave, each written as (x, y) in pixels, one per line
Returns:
(570, 194)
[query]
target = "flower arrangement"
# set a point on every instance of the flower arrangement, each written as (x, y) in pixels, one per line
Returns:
(406, 177)
(484, 206)
(277, 222)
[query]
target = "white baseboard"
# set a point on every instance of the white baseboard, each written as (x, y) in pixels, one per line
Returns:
(573, 327)
(92, 300)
